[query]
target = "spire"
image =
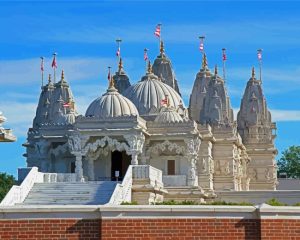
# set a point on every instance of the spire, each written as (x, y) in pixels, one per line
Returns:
(216, 70)
(162, 49)
(111, 81)
(62, 76)
(120, 65)
(49, 79)
(204, 61)
(253, 73)
(149, 69)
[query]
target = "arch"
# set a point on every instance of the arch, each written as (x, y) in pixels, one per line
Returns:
(106, 141)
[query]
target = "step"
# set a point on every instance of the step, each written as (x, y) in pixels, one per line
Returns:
(77, 193)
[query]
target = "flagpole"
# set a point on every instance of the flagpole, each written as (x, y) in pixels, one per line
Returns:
(159, 36)
(259, 54)
(145, 57)
(119, 40)
(42, 70)
(224, 60)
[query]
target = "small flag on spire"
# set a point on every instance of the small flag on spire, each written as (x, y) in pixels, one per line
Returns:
(157, 30)
(54, 63)
(108, 76)
(259, 54)
(224, 56)
(165, 101)
(67, 104)
(145, 54)
(118, 53)
(201, 47)
(42, 64)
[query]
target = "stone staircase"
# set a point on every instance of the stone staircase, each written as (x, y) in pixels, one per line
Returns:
(70, 193)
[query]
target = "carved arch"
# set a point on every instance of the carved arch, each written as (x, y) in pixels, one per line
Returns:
(106, 141)
(167, 145)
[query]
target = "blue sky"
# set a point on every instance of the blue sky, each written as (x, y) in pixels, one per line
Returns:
(83, 34)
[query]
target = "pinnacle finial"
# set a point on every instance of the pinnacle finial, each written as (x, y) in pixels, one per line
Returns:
(149, 69)
(62, 76)
(204, 61)
(253, 72)
(216, 70)
(49, 78)
(162, 49)
(120, 65)
(111, 83)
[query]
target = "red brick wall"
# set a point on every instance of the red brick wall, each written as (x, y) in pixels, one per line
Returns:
(50, 229)
(146, 229)
(183, 229)
(280, 229)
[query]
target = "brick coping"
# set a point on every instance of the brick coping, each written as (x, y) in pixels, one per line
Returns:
(263, 211)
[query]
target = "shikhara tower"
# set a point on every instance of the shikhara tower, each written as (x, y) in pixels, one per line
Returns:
(258, 133)
(192, 152)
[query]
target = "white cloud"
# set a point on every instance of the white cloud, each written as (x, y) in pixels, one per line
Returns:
(285, 115)
(279, 115)
(19, 116)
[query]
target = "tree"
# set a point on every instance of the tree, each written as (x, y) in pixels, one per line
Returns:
(289, 163)
(6, 182)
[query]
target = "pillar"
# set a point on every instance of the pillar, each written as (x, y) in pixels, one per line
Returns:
(134, 158)
(78, 167)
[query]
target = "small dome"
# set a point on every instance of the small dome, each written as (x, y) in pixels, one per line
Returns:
(168, 115)
(149, 92)
(2, 118)
(111, 104)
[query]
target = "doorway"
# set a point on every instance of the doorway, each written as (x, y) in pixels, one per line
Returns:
(119, 163)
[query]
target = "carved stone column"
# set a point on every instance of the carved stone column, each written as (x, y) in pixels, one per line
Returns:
(78, 166)
(135, 143)
(74, 143)
(193, 146)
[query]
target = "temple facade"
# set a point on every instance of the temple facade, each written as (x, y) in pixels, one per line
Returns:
(198, 150)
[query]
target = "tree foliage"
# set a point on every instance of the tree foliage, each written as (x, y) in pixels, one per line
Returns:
(6, 182)
(289, 163)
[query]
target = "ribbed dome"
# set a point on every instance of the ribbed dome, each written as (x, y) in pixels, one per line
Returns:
(111, 104)
(168, 115)
(149, 92)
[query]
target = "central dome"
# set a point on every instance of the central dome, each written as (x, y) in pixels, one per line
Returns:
(148, 94)
(111, 104)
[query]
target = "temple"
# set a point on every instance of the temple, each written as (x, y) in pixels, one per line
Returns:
(140, 142)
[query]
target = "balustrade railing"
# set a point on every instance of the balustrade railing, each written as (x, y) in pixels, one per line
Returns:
(17, 194)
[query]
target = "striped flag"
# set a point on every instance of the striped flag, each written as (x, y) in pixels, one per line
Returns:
(54, 63)
(118, 53)
(157, 30)
(201, 47)
(66, 104)
(165, 101)
(145, 55)
(259, 55)
(224, 57)
(42, 64)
